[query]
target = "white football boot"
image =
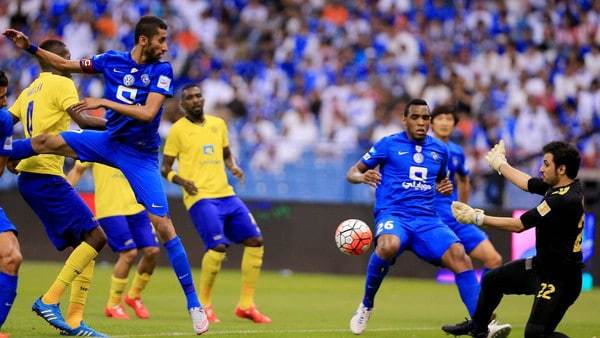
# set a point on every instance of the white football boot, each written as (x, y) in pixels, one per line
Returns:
(358, 323)
(199, 320)
(497, 330)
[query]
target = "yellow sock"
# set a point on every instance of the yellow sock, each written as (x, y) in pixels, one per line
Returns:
(139, 284)
(79, 292)
(251, 264)
(74, 265)
(211, 265)
(117, 287)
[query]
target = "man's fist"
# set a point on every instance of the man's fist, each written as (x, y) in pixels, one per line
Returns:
(466, 214)
(496, 156)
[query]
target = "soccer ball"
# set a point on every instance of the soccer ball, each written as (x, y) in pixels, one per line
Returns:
(353, 237)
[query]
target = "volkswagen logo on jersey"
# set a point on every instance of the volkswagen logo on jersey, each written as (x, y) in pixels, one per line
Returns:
(418, 157)
(145, 79)
(128, 80)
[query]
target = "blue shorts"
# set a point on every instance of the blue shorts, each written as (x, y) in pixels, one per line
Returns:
(139, 167)
(5, 223)
(64, 214)
(223, 221)
(427, 237)
(129, 232)
(470, 235)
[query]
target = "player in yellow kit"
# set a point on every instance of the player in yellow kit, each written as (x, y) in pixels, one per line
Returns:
(200, 145)
(46, 106)
(128, 229)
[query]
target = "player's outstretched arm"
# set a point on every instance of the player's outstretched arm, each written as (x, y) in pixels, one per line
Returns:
(360, 173)
(145, 113)
(231, 164)
(74, 175)
(496, 158)
(171, 175)
(465, 214)
(56, 61)
(86, 121)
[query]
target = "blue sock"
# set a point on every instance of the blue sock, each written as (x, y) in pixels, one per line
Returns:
(21, 149)
(376, 271)
(181, 266)
(8, 292)
(468, 287)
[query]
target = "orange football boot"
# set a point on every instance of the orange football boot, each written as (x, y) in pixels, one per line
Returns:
(116, 312)
(138, 306)
(210, 314)
(253, 314)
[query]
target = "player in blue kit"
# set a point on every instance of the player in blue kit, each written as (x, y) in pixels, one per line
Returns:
(136, 85)
(475, 241)
(10, 252)
(412, 166)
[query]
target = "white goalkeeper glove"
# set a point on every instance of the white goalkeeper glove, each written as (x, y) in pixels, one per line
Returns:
(496, 156)
(466, 214)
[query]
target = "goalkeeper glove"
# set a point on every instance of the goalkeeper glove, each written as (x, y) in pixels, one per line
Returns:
(496, 156)
(466, 214)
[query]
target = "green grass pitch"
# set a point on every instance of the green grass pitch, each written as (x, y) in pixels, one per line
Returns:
(301, 305)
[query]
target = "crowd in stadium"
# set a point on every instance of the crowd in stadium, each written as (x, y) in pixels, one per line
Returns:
(335, 75)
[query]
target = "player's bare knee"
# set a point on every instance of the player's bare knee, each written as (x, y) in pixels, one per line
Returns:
(456, 259)
(387, 247)
(254, 242)
(151, 252)
(11, 262)
(128, 255)
(494, 261)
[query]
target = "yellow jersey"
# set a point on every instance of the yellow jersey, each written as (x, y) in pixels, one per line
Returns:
(113, 194)
(42, 108)
(198, 149)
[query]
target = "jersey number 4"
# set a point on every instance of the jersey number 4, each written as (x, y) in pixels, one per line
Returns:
(126, 94)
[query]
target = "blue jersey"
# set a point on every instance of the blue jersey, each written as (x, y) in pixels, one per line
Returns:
(128, 82)
(409, 171)
(456, 165)
(6, 131)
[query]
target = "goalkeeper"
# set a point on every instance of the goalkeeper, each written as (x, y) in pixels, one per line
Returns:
(553, 276)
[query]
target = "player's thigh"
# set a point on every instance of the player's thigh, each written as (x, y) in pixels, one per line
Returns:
(434, 241)
(143, 174)
(552, 299)
(208, 222)
(239, 224)
(470, 235)
(513, 278)
(142, 231)
(486, 253)
(90, 145)
(388, 228)
(64, 214)
(117, 233)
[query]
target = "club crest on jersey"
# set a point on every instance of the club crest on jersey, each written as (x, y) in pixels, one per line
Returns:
(208, 149)
(128, 80)
(418, 157)
(145, 79)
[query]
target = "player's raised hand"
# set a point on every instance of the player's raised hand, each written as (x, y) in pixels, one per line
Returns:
(17, 37)
(372, 178)
(496, 156)
(238, 173)
(465, 214)
(189, 187)
(444, 186)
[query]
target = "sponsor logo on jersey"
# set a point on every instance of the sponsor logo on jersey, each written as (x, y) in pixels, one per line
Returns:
(208, 149)
(164, 82)
(128, 80)
(418, 157)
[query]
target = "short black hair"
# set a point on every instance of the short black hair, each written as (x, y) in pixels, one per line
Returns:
(414, 102)
(445, 109)
(188, 86)
(148, 26)
(53, 45)
(564, 154)
(3, 79)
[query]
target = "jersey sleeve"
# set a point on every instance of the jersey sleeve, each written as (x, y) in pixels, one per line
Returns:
(67, 94)
(172, 143)
(162, 80)
(538, 215)
(96, 64)
(15, 109)
(376, 155)
(537, 186)
(6, 129)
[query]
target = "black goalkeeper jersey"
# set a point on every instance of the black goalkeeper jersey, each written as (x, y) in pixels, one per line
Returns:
(559, 225)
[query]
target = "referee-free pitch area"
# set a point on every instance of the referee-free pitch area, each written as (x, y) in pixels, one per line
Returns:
(301, 305)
